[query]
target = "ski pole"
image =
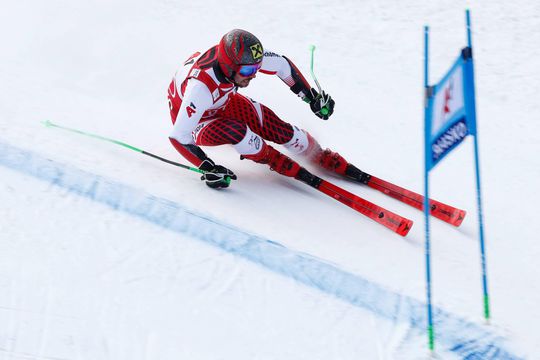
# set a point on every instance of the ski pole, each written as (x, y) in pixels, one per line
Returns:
(324, 110)
(312, 50)
(50, 124)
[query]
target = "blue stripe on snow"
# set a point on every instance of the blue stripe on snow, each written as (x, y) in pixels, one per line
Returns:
(466, 339)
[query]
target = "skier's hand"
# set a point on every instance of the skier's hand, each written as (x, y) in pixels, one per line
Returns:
(216, 176)
(322, 104)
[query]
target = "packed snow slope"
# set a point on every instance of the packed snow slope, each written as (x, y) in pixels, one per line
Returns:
(104, 66)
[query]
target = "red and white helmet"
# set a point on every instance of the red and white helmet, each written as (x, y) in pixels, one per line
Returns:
(237, 48)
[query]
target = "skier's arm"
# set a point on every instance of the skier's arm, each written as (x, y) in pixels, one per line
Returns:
(321, 104)
(197, 99)
(276, 64)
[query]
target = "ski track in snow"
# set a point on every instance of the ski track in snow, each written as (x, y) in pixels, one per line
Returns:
(463, 338)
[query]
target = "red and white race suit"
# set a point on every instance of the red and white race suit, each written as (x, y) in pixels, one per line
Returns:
(207, 110)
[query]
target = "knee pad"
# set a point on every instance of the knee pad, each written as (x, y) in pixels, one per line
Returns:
(303, 144)
(251, 144)
(299, 142)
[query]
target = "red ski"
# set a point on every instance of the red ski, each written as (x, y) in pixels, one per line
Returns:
(444, 212)
(392, 221)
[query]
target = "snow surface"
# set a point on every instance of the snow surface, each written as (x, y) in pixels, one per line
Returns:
(99, 276)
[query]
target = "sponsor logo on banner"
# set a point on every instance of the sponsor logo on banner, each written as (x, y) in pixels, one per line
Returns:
(448, 101)
(448, 92)
(449, 139)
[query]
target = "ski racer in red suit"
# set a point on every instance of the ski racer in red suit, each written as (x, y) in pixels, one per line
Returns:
(207, 110)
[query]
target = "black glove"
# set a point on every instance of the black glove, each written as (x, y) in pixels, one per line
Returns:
(216, 176)
(321, 104)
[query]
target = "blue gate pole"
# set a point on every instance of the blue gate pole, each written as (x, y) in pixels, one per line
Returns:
(478, 182)
(427, 152)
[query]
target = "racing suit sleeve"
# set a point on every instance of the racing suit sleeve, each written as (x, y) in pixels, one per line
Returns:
(276, 64)
(197, 99)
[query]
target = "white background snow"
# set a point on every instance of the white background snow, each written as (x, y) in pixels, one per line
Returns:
(81, 281)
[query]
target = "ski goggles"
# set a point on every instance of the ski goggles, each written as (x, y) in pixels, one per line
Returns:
(248, 70)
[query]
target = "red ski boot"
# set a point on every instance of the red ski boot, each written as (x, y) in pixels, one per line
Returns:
(325, 158)
(331, 161)
(277, 161)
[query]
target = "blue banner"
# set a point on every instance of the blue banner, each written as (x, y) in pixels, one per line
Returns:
(450, 114)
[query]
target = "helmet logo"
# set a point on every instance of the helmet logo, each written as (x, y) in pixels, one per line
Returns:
(256, 51)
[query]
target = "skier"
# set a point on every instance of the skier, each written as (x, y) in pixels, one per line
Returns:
(207, 110)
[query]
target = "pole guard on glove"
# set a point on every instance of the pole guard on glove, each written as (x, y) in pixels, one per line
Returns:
(216, 176)
(321, 104)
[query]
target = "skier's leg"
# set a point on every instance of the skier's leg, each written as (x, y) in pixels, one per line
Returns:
(220, 131)
(252, 145)
(296, 140)
(248, 144)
